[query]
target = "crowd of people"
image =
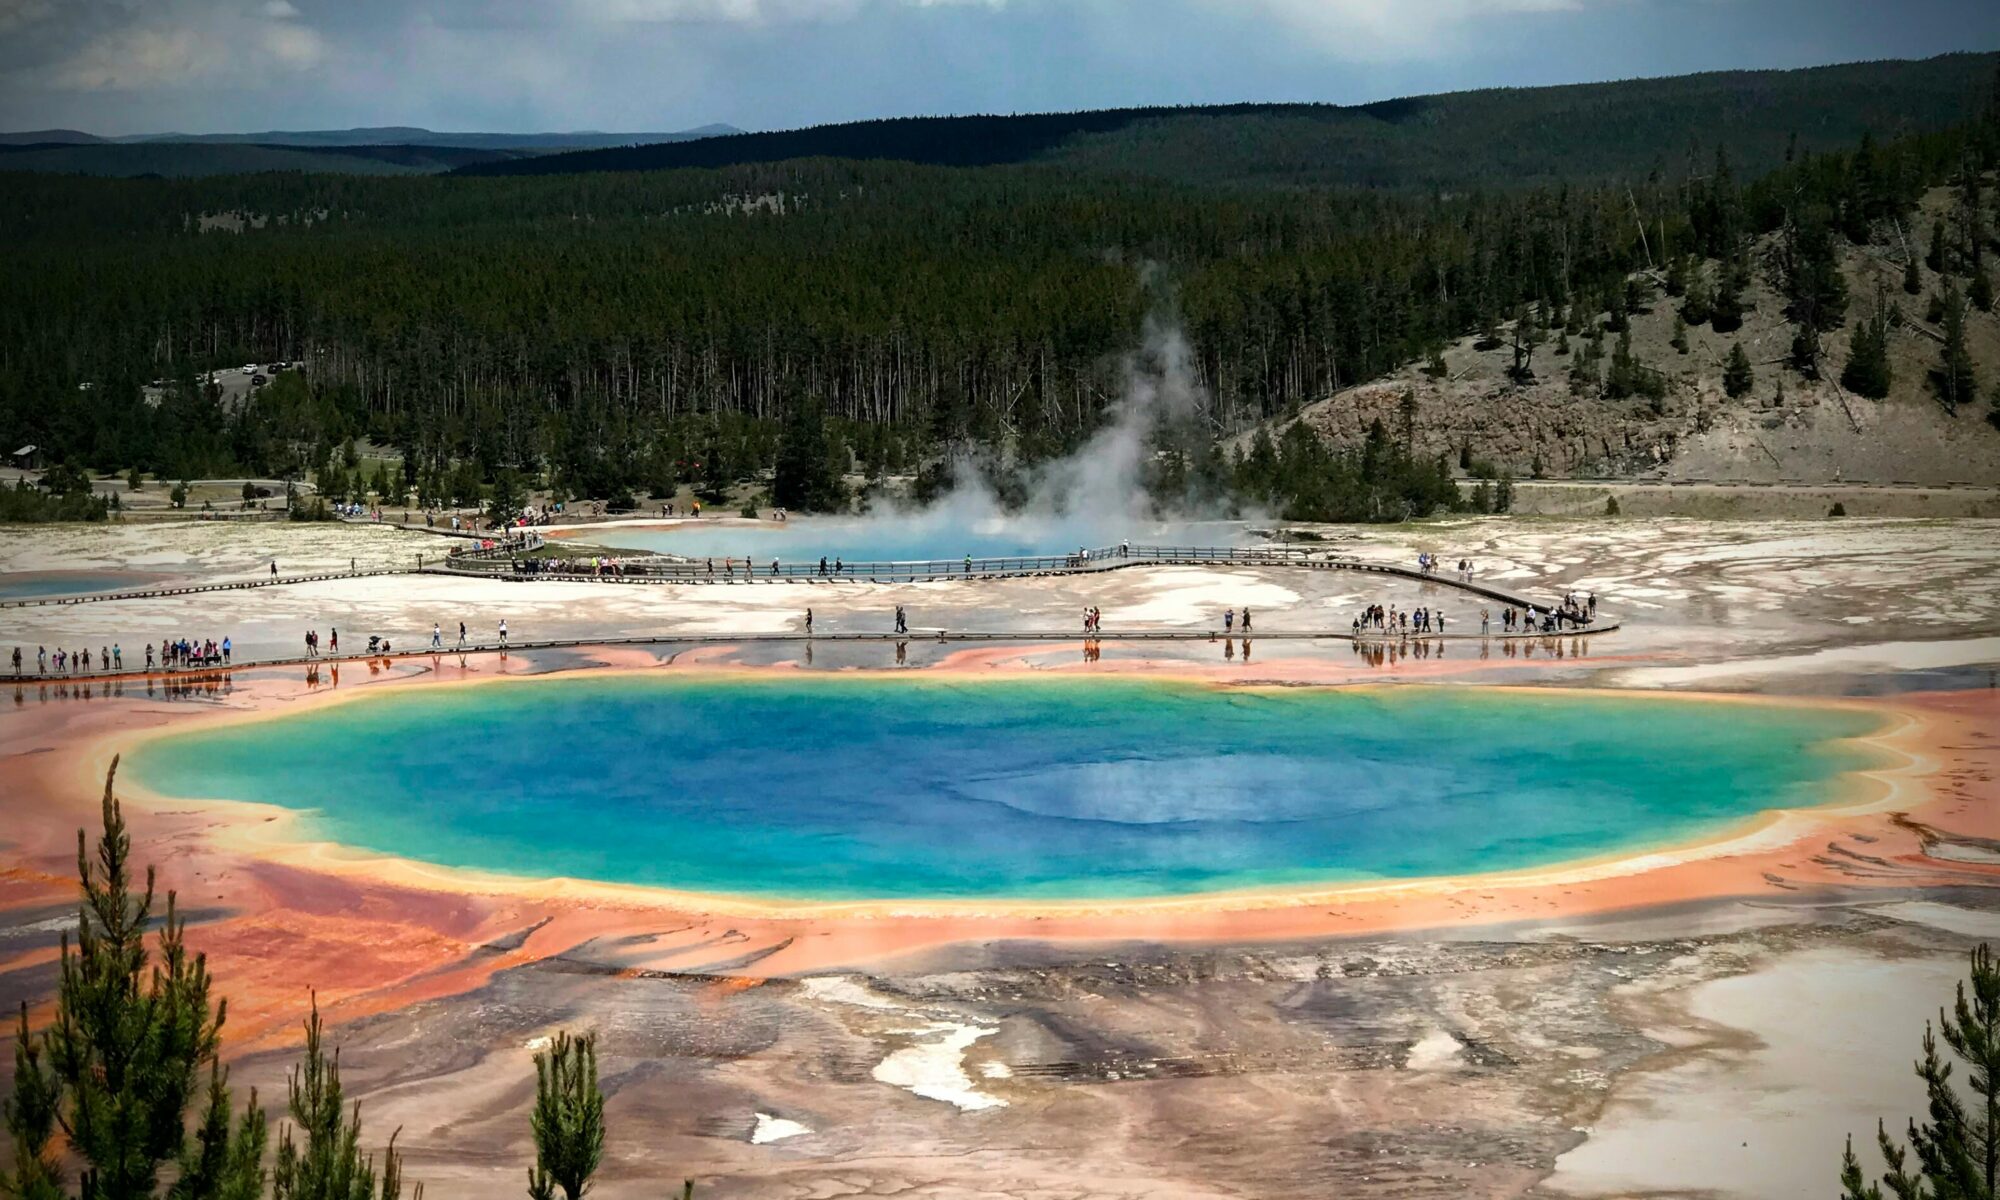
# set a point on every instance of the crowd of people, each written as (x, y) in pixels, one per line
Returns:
(173, 654)
(1388, 619)
(1429, 563)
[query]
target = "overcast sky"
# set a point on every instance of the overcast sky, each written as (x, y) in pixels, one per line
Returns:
(138, 66)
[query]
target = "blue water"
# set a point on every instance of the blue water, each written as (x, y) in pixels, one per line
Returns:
(832, 787)
(31, 585)
(926, 536)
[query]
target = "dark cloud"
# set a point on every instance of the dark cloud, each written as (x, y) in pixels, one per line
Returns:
(119, 66)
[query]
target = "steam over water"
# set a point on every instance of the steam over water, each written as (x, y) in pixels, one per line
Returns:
(1092, 497)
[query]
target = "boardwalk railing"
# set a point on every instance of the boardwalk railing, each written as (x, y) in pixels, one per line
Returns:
(726, 569)
(504, 560)
(1364, 641)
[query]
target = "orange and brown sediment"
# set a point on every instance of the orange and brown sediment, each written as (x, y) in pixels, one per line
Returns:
(376, 934)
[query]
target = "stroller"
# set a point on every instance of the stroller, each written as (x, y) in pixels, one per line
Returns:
(377, 644)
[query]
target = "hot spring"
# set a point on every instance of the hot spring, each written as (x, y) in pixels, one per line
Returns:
(846, 788)
(918, 537)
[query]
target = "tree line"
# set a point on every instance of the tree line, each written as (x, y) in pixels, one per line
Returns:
(617, 334)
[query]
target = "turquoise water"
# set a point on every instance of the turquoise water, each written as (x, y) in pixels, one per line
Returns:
(919, 537)
(829, 787)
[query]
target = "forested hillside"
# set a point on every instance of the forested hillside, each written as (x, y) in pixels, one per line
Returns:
(615, 333)
(1497, 137)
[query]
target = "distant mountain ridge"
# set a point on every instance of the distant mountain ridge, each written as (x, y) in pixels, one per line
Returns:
(413, 135)
(387, 150)
(1573, 132)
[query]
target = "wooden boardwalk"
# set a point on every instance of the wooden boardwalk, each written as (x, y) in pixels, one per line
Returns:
(494, 565)
(930, 635)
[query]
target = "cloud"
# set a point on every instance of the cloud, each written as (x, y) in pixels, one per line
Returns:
(170, 45)
(752, 12)
(1362, 30)
(16, 13)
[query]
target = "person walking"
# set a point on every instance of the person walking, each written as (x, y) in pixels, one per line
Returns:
(503, 631)
(1228, 622)
(274, 568)
(809, 622)
(1246, 618)
(117, 657)
(17, 660)
(437, 637)
(333, 641)
(225, 651)
(461, 635)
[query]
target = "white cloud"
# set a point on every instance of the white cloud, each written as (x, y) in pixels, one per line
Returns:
(1381, 29)
(181, 44)
(16, 13)
(751, 12)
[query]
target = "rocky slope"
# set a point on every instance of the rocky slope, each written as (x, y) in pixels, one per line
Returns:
(1785, 429)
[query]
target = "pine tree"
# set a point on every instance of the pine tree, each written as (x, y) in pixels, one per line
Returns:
(1527, 336)
(1913, 280)
(124, 1060)
(1736, 375)
(805, 479)
(1957, 1149)
(329, 1165)
(1725, 310)
(1934, 258)
(568, 1120)
(1867, 372)
(1980, 291)
(1955, 380)
(1680, 339)
(1695, 308)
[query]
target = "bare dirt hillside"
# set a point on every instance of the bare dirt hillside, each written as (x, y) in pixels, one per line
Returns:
(1785, 428)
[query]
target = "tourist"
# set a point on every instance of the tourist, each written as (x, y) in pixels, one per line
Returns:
(1246, 619)
(437, 637)
(809, 622)
(117, 657)
(149, 656)
(17, 660)
(1228, 622)
(503, 631)
(1485, 622)
(41, 660)
(225, 650)
(333, 641)
(902, 621)
(461, 635)
(274, 568)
